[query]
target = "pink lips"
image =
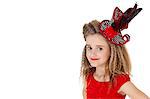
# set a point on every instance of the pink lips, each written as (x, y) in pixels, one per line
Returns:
(94, 59)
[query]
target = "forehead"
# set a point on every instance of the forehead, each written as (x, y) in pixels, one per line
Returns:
(96, 39)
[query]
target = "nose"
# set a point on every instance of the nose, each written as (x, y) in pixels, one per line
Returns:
(93, 53)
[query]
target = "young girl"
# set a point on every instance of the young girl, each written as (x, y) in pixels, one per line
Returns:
(106, 65)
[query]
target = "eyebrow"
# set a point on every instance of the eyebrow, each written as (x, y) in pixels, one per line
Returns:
(96, 45)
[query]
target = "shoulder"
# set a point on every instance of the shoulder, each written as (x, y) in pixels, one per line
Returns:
(121, 79)
(89, 76)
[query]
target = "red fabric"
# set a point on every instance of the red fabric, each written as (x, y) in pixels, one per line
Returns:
(102, 90)
(110, 32)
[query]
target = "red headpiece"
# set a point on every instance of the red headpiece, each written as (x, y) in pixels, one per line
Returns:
(111, 30)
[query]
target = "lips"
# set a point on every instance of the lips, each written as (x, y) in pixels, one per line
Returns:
(94, 58)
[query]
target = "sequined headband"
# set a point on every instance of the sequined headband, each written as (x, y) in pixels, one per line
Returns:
(111, 29)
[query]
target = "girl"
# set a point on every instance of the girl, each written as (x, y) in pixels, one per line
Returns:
(106, 65)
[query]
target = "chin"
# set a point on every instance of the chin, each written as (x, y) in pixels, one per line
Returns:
(94, 65)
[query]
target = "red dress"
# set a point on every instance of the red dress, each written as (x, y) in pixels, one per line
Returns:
(102, 90)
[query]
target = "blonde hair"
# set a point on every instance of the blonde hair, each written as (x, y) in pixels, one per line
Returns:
(118, 63)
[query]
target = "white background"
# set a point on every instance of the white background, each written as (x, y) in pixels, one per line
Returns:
(41, 43)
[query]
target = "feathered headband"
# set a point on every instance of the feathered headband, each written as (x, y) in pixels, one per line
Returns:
(111, 30)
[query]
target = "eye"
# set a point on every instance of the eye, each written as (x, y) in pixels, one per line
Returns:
(88, 48)
(100, 48)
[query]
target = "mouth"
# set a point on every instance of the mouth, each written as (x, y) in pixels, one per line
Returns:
(94, 59)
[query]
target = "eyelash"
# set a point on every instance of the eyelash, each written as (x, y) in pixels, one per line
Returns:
(98, 48)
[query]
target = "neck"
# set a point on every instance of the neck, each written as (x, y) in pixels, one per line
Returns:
(101, 72)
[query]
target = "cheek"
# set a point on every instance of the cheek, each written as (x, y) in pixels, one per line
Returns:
(87, 55)
(106, 54)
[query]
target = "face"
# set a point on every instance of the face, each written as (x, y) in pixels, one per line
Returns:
(97, 50)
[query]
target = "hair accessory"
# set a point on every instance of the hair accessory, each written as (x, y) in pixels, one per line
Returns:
(111, 29)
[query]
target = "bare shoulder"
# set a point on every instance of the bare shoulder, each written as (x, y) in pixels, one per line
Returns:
(132, 91)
